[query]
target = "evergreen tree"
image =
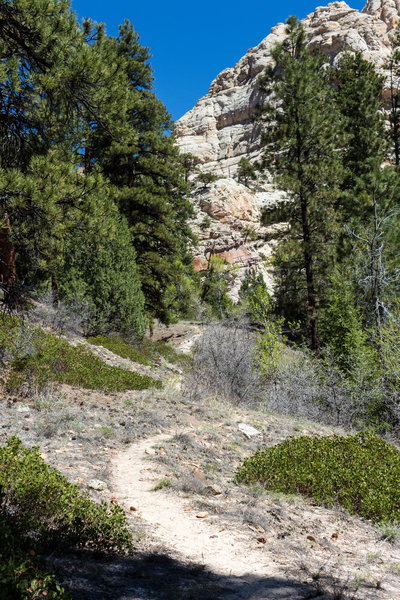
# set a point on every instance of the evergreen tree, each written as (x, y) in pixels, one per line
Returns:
(341, 323)
(301, 140)
(80, 129)
(246, 172)
(144, 165)
(219, 277)
(359, 99)
(49, 80)
(100, 267)
(206, 179)
(393, 66)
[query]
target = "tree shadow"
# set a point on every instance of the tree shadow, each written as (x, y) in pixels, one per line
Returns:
(156, 576)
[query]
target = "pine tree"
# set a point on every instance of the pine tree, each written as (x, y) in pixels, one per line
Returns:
(246, 171)
(359, 99)
(393, 66)
(301, 140)
(99, 268)
(144, 165)
(47, 74)
(219, 277)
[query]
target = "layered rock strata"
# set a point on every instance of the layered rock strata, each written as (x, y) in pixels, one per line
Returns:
(220, 130)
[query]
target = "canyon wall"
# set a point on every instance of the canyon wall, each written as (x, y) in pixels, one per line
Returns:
(219, 130)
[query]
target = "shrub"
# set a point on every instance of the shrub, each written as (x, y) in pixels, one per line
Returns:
(218, 279)
(145, 352)
(71, 317)
(361, 472)
(9, 328)
(154, 349)
(320, 390)
(121, 348)
(223, 364)
(41, 504)
(56, 360)
(23, 574)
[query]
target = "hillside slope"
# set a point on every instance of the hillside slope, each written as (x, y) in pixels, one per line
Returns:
(170, 459)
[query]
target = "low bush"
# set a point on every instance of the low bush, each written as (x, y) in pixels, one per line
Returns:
(154, 349)
(360, 472)
(41, 504)
(52, 359)
(23, 574)
(120, 348)
(145, 352)
(40, 510)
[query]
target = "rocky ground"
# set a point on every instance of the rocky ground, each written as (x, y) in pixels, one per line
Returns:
(171, 462)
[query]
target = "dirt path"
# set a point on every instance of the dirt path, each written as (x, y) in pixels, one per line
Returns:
(203, 541)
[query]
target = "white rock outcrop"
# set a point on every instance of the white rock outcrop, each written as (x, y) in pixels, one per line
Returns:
(219, 130)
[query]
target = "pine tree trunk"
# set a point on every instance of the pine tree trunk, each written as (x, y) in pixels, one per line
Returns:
(308, 264)
(394, 120)
(8, 269)
(54, 291)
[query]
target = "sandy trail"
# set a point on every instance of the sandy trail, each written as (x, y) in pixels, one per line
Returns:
(202, 541)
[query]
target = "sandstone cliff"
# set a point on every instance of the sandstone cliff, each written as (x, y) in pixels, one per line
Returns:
(219, 130)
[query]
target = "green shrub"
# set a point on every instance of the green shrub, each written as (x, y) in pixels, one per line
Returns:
(146, 352)
(56, 360)
(41, 504)
(121, 348)
(154, 349)
(23, 574)
(99, 268)
(9, 328)
(361, 472)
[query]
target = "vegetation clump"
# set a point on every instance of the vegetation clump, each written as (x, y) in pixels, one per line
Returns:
(23, 573)
(41, 510)
(360, 472)
(119, 347)
(56, 360)
(146, 352)
(44, 357)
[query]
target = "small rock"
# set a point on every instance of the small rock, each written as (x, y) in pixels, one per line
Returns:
(199, 475)
(262, 540)
(23, 409)
(187, 508)
(214, 490)
(97, 484)
(335, 536)
(114, 499)
(248, 430)
(149, 451)
(311, 538)
(202, 515)
(133, 508)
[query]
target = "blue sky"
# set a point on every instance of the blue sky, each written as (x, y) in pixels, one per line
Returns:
(191, 42)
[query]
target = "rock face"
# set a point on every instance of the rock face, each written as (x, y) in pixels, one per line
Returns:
(228, 218)
(219, 130)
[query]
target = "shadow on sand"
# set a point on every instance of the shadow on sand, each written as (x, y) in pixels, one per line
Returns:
(158, 577)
